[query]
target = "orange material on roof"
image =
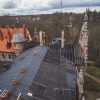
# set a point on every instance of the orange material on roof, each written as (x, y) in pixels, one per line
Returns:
(3, 42)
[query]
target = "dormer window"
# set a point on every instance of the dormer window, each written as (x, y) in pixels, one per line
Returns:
(9, 55)
(3, 56)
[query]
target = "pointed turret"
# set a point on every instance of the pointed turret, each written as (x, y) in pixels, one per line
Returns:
(41, 38)
(18, 40)
(26, 33)
(62, 39)
(36, 35)
(86, 17)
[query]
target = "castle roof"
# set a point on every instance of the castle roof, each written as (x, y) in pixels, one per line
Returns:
(6, 36)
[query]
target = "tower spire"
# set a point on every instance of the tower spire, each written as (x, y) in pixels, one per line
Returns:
(35, 35)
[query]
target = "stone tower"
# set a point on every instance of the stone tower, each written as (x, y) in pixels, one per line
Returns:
(19, 42)
(83, 39)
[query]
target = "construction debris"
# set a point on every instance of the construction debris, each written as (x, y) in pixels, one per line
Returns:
(23, 70)
(4, 95)
(14, 81)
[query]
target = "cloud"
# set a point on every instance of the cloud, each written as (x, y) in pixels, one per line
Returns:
(24, 7)
(9, 5)
(74, 3)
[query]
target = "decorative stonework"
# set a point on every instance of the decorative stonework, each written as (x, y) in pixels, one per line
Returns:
(83, 39)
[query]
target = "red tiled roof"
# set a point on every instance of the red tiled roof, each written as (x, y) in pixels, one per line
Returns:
(6, 35)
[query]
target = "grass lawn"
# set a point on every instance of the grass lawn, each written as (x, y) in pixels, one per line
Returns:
(94, 70)
(90, 85)
(92, 89)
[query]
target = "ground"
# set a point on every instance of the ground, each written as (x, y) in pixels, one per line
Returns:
(92, 89)
(91, 95)
(94, 70)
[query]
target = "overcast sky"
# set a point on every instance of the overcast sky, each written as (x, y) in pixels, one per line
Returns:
(27, 7)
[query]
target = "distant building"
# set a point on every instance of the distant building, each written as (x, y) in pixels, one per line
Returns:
(11, 41)
(36, 18)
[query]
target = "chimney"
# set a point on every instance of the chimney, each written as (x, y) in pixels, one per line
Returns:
(41, 38)
(25, 30)
(62, 39)
(13, 27)
(17, 23)
(7, 26)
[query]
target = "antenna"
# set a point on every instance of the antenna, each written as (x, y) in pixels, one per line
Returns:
(61, 6)
(61, 3)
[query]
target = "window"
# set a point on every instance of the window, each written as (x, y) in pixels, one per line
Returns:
(3, 55)
(9, 55)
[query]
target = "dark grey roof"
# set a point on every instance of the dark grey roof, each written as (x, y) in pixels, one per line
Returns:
(31, 62)
(70, 52)
(51, 81)
(46, 78)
